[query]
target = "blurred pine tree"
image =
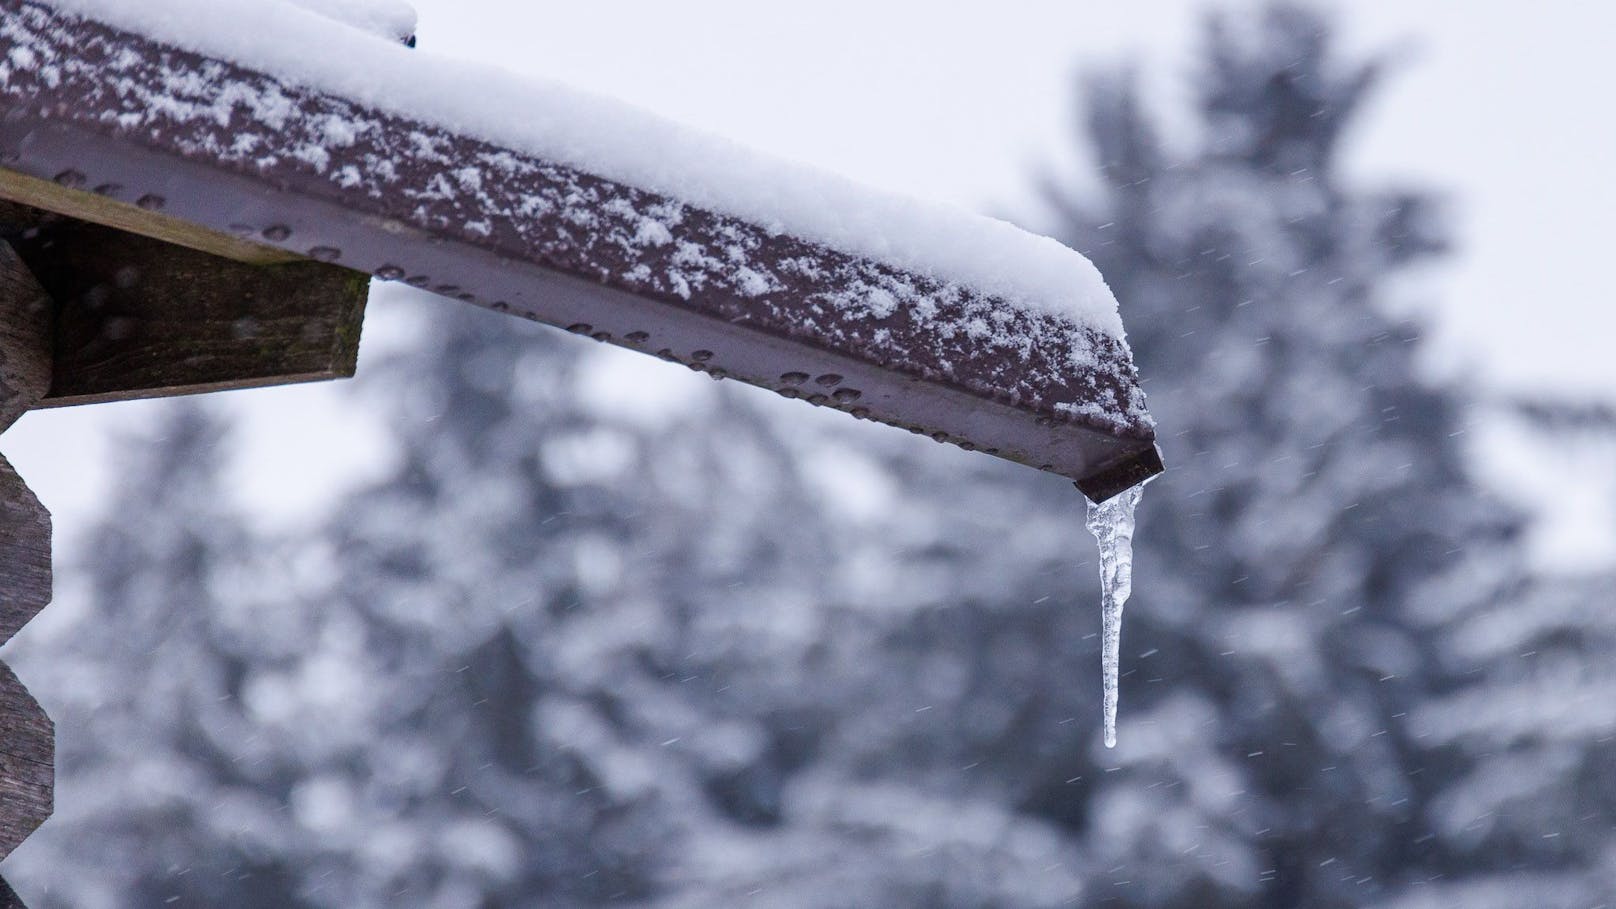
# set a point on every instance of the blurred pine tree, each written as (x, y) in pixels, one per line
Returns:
(1320, 523)
(721, 649)
(169, 799)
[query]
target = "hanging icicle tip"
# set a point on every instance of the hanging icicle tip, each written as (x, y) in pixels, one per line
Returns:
(1112, 523)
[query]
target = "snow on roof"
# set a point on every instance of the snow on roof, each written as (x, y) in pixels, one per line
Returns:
(291, 41)
(384, 18)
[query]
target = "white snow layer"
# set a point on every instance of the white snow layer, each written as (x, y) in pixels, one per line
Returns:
(386, 18)
(623, 143)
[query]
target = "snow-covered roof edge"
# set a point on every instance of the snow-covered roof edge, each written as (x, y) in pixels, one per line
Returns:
(620, 142)
(117, 117)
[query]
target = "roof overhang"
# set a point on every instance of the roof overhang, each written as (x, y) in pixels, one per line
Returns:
(413, 201)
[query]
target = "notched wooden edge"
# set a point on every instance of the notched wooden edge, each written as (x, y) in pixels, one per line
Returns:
(25, 553)
(27, 763)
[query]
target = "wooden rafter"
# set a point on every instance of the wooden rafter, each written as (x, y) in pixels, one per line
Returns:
(138, 317)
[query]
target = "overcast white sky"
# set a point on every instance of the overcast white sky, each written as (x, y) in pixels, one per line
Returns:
(1505, 105)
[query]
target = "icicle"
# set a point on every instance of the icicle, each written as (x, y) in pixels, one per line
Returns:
(1111, 522)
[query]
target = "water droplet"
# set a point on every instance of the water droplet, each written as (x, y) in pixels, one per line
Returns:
(325, 254)
(389, 272)
(109, 189)
(580, 328)
(939, 436)
(151, 202)
(829, 379)
(794, 378)
(418, 281)
(817, 400)
(846, 395)
(637, 336)
(702, 356)
(602, 336)
(790, 393)
(275, 233)
(860, 413)
(71, 179)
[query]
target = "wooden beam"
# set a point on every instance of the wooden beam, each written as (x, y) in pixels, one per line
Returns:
(139, 317)
(25, 354)
(412, 200)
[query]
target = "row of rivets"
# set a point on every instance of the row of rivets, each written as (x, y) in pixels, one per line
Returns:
(275, 233)
(73, 179)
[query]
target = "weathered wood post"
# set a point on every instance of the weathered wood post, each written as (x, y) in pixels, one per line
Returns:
(27, 739)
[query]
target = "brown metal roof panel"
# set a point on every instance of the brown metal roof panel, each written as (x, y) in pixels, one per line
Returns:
(117, 115)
